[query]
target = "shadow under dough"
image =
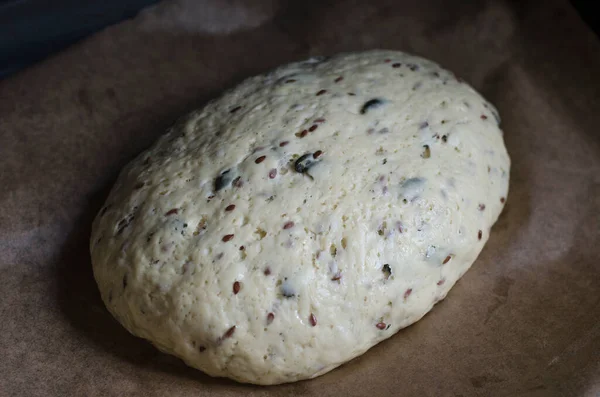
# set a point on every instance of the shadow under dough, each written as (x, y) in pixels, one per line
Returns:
(79, 300)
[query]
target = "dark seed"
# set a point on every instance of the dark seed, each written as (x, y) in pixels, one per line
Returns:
(229, 332)
(282, 144)
(260, 159)
(290, 81)
(426, 152)
(444, 138)
(387, 271)
(223, 180)
(288, 225)
(304, 163)
(371, 104)
(338, 79)
(230, 207)
(336, 276)
(447, 259)
(201, 349)
(302, 133)
(481, 207)
(387, 61)
(236, 287)
(235, 109)
(407, 293)
(227, 237)
(272, 173)
(319, 120)
(502, 199)
(441, 282)
(242, 248)
(237, 182)
(270, 318)
(317, 154)
(321, 92)
(351, 94)
(479, 235)
(483, 117)
(381, 325)
(396, 65)
(313, 127)
(174, 211)
(312, 319)
(267, 271)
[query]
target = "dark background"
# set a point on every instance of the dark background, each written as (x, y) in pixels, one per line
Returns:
(31, 30)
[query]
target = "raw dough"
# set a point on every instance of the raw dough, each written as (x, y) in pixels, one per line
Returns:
(304, 216)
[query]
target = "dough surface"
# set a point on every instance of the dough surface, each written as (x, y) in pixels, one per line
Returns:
(303, 216)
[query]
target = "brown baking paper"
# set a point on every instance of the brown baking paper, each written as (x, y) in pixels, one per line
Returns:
(524, 321)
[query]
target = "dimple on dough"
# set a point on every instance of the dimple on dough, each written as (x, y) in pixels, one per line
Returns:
(304, 216)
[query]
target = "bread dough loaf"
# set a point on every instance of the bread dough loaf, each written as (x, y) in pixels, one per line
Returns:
(304, 216)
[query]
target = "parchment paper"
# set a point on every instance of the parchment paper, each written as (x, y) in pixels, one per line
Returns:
(524, 321)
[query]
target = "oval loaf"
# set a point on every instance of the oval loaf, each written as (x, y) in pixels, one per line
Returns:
(304, 216)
